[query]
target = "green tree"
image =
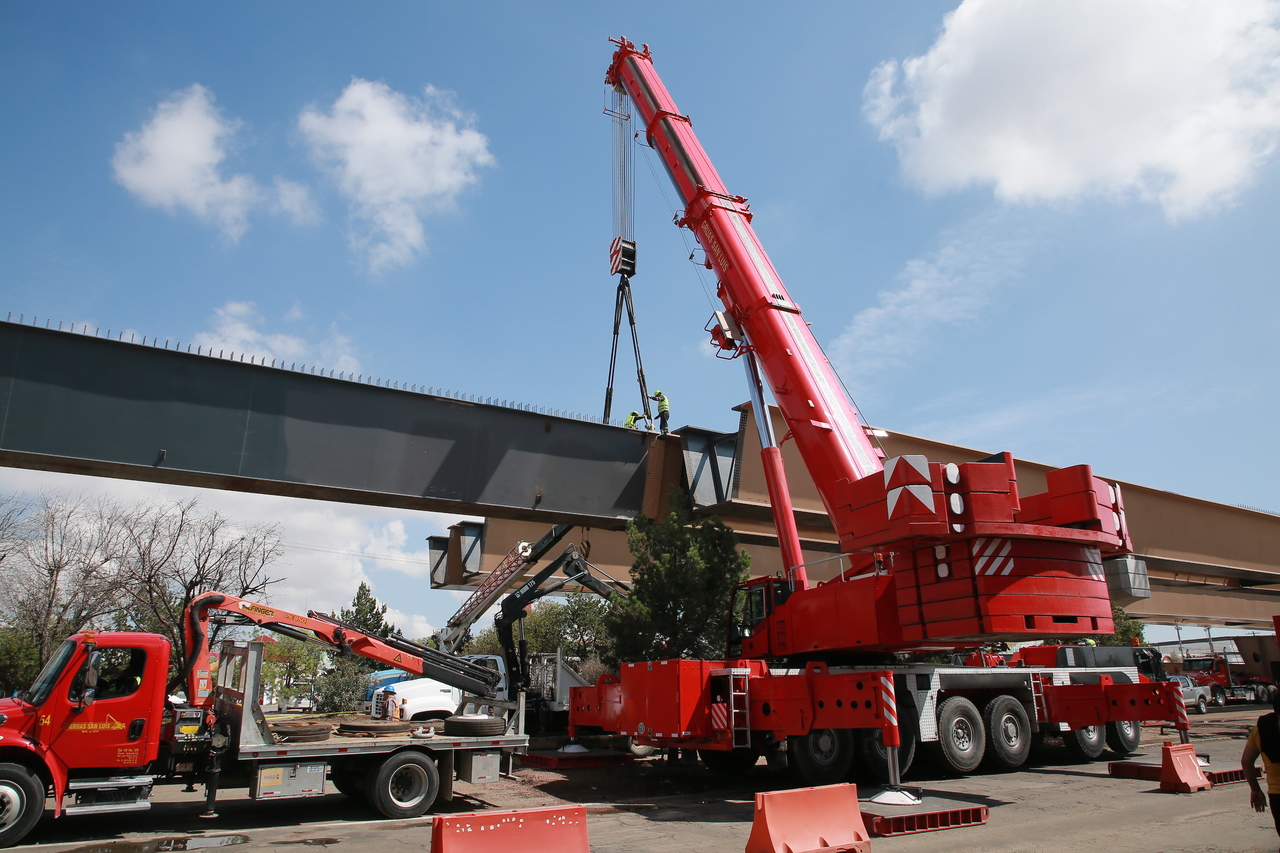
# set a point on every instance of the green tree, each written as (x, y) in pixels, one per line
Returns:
(1127, 630)
(289, 667)
(342, 687)
(585, 634)
(682, 578)
(367, 614)
(19, 661)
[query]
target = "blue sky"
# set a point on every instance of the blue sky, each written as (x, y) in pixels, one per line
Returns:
(1033, 227)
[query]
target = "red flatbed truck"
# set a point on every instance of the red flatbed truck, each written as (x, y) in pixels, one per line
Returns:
(98, 728)
(935, 557)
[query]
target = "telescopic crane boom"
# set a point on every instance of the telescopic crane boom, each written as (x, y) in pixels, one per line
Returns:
(935, 553)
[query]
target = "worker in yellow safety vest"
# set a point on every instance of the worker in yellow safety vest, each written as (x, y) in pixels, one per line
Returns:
(631, 421)
(664, 410)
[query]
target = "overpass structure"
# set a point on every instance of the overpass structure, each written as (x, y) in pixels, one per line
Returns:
(80, 403)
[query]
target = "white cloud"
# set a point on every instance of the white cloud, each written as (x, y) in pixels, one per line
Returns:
(294, 200)
(174, 162)
(395, 158)
(237, 328)
(1172, 101)
(947, 287)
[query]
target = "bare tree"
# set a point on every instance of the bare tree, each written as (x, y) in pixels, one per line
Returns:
(60, 573)
(176, 551)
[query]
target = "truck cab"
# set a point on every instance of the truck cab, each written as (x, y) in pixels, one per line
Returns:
(428, 699)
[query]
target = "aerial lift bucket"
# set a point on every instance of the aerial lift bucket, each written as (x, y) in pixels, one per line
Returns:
(807, 820)
(559, 828)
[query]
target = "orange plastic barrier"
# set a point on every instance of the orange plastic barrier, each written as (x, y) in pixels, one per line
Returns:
(806, 820)
(559, 828)
(1179, 770)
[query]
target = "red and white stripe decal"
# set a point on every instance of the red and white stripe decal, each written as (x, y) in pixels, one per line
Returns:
(720, 716)
(889, 703)
(991, 556)
(1183, 723)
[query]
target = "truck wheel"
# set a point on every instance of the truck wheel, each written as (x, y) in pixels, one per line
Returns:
(1268, 693)
(1085, 744)
(1123, 736)
(475, 725)
(961, 739)
(21, 803)
(823, 756)
(1219, 697)
(1008, 732)
(348, 781)
(733, 762)
(405, 785)
(1202, 705)
(872, 754)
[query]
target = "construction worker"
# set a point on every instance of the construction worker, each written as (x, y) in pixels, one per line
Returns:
(390, 708)
(631, 421)
(664, 410)
(1264, 741)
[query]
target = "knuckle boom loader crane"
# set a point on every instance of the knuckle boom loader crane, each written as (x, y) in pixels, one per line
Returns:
(98, 728)
(935, 557)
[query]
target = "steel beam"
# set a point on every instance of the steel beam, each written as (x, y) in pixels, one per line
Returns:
(86, 405)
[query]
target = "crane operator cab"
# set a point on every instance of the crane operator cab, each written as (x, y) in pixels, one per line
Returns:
(750, 607)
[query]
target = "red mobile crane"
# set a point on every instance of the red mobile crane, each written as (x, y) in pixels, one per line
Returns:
(937, 557)
(97, 725)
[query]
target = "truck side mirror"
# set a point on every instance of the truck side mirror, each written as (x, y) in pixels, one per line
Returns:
(89, 690)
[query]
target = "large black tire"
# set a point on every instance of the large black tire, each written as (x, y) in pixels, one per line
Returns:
(1008, 731)
(21, 803)
(1124, 736)
(475, 725)
(1202, 705)
(1085, 744)
(1268, 694)
(1219, 697)
(405, 785)
(823, 756)
(734, 762)
(962, 741)
(349, 780)
(874, 758)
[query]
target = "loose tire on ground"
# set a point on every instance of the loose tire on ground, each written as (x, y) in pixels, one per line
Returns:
(733, 762)
(474, 725)
(1085, 744)
(1008, 731)
(1123, 736)
(962, 741)
(823, 756)
(873, 758)
(21, 803)
(405, 785)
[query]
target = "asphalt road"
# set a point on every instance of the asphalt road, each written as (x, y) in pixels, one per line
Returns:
(654, 805)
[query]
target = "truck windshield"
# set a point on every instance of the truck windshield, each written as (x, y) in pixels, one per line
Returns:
(1201, 664)
(44, 681)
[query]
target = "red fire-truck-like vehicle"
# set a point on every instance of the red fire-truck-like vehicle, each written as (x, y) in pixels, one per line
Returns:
(935, 557)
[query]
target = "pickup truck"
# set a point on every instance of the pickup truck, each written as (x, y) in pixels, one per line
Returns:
(1194, 694)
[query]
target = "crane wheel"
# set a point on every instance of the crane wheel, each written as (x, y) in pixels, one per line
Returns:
(1008, 730)
(962, 739)
(1085, 744)
(873, 758)
(823, 756)
(1123, 736)
(21, 802)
